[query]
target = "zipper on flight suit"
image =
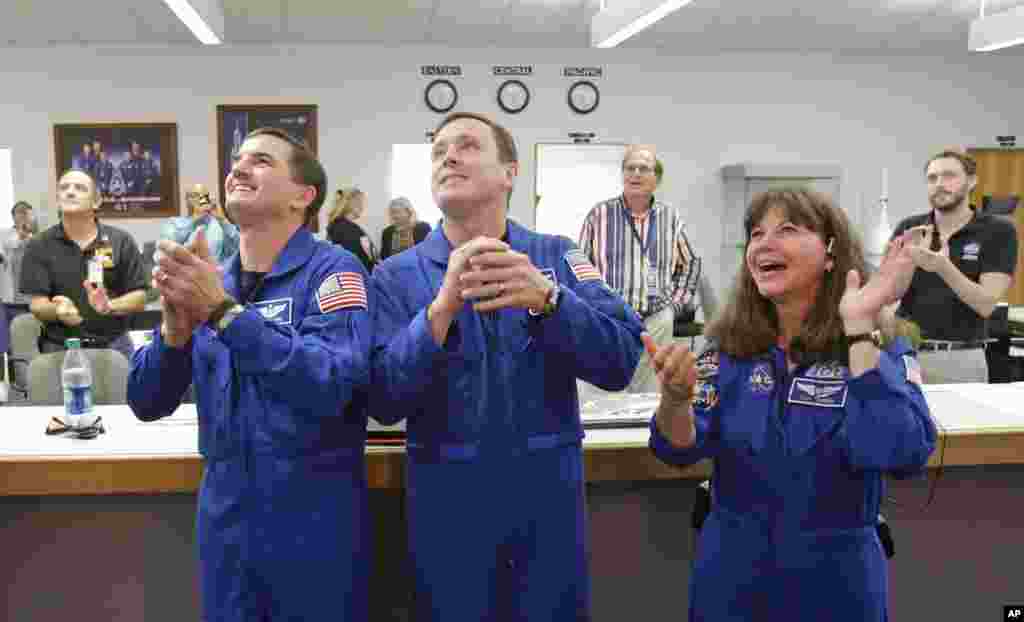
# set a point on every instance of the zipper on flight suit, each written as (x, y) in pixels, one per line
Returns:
(780, 386)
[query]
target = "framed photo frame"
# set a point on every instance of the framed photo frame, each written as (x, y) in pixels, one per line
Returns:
(135, 165)
(235, 121)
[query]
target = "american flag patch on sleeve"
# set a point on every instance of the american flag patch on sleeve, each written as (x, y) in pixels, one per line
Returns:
(341, 290)
(581, 266)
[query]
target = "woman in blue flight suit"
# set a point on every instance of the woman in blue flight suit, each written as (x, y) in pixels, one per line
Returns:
(495, 473)
(802, 414)
(281, 521)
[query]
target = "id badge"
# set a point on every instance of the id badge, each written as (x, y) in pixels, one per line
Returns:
(652, 281)
(96, 271)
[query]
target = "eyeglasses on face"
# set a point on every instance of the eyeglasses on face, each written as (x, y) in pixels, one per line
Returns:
(637, 169)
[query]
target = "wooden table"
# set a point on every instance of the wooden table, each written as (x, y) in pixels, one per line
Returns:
(133, 556)
(979, 424)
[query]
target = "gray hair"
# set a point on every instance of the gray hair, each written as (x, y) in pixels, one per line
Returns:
(403, 202)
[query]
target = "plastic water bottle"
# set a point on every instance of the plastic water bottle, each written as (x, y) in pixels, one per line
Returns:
(76, 378)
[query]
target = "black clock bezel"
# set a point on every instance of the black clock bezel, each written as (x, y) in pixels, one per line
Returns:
(509, 109)
(583, 84)
(435, 84)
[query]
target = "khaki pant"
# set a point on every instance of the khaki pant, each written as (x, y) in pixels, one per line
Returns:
(659, 327)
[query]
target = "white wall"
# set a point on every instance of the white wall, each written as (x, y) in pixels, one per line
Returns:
(864, 113)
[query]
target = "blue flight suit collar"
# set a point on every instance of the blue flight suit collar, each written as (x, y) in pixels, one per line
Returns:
(295, 254)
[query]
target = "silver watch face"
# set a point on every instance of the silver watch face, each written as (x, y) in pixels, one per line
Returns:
(555, 293)
(230, 315)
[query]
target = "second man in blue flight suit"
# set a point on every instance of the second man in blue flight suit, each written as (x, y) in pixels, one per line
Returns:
(276, 352)
(481, 333)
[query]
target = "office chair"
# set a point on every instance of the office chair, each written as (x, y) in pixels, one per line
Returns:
(109, 377)
(688, 326)
(10, 375)
(26, 331)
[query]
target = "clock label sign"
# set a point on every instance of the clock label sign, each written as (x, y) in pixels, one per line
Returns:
(582, 72)
(512, 70)
(441, 70)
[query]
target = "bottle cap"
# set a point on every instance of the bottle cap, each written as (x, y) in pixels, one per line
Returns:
(72, 343)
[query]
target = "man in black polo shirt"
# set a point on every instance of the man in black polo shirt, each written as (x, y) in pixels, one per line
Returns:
(84, 277)
(965, 262)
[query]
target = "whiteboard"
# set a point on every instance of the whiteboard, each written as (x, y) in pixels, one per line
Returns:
(569, 180)
(410, 178)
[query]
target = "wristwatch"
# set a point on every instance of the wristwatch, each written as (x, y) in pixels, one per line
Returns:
(874, 337)
(224, 314)
(549, 305)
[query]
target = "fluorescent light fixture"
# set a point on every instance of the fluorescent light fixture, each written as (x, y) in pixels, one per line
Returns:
(204, 18)
(997, 31)
(619, 20)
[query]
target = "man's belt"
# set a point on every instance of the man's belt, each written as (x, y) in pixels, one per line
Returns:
(653, 311)
(939, 345)
(87, 342)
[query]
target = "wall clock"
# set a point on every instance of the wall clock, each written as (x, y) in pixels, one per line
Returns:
(441, 96)
(583, 97)
(513, 96)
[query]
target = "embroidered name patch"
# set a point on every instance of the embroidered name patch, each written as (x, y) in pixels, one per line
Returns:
(812, 392)
(278, 311)
(341, 290)
(827, 371)
(581, 267)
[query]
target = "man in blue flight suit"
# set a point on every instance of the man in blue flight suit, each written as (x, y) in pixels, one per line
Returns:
(150, 175)
(481, 332)
(131, 170)
(104, 173)
(276, 352)
(86, 161)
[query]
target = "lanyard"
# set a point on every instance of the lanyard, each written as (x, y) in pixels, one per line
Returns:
(648, 219)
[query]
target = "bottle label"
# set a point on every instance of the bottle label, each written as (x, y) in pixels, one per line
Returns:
(77, 401)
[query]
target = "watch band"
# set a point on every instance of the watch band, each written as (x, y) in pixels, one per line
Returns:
(220, 310)
(550, 305)
(229, 317)
(874, 337)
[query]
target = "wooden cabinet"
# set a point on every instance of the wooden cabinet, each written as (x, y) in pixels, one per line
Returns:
(1000, 174)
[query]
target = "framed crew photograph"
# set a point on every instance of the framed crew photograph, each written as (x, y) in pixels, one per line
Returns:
(234, 122)
(135, 165)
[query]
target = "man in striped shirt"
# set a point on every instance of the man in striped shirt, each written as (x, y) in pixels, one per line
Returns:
(640, 246)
